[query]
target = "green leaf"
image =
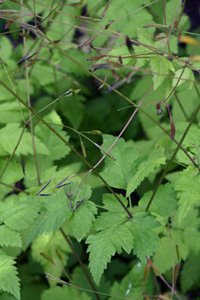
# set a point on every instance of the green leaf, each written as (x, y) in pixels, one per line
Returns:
(110, 203)
(117, 172)
(131, 285)
(11, 111)
(50, 244)
(55, 146)
(9, 237)
(165, 257)
(188, 189)
(190, 273)
(104, 245)
(54, 213)
(19, 212)
(81, 221)
(72, 108)
(9, 282)
(187, 74)
(65, 292)
(144, 169)
(164, 202)
(14, 171)
(161, 65)
(146, 241)
(9, 136)
(190, 226)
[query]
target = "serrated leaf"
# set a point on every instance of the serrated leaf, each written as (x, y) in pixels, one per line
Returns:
(82, 219)
(9, 237)
(146, 241)
(104, 245)
(9, 282)
(161, 65)
(55, 211)
(65, 292)
(117, 172)
(145, 168)
(18, 212)
(164, 202)
(110, 203)
(187, 186)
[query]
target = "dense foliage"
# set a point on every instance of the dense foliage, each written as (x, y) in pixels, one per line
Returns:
(100, 150)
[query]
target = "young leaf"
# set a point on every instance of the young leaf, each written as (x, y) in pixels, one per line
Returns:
(9, 282)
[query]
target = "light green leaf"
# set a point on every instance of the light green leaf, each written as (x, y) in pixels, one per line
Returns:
(110, 203)
(146, 241)
(104, 245)
(187, 74)
(144, 169)
(164, 202)
(117, 172)
(82, 219)
(165, 256)
(73, 109)
(187, 186)
(65, 292)
(14, 171)
(190, 273)
(18, 212)
(161, 65)
(9, 282)
(9, 136)
(55, 211)
(11, 111)
(49, 244)
(9, 237)
(131, 285)
(55, 146)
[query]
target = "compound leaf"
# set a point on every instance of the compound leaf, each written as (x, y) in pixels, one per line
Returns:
(9, 282)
